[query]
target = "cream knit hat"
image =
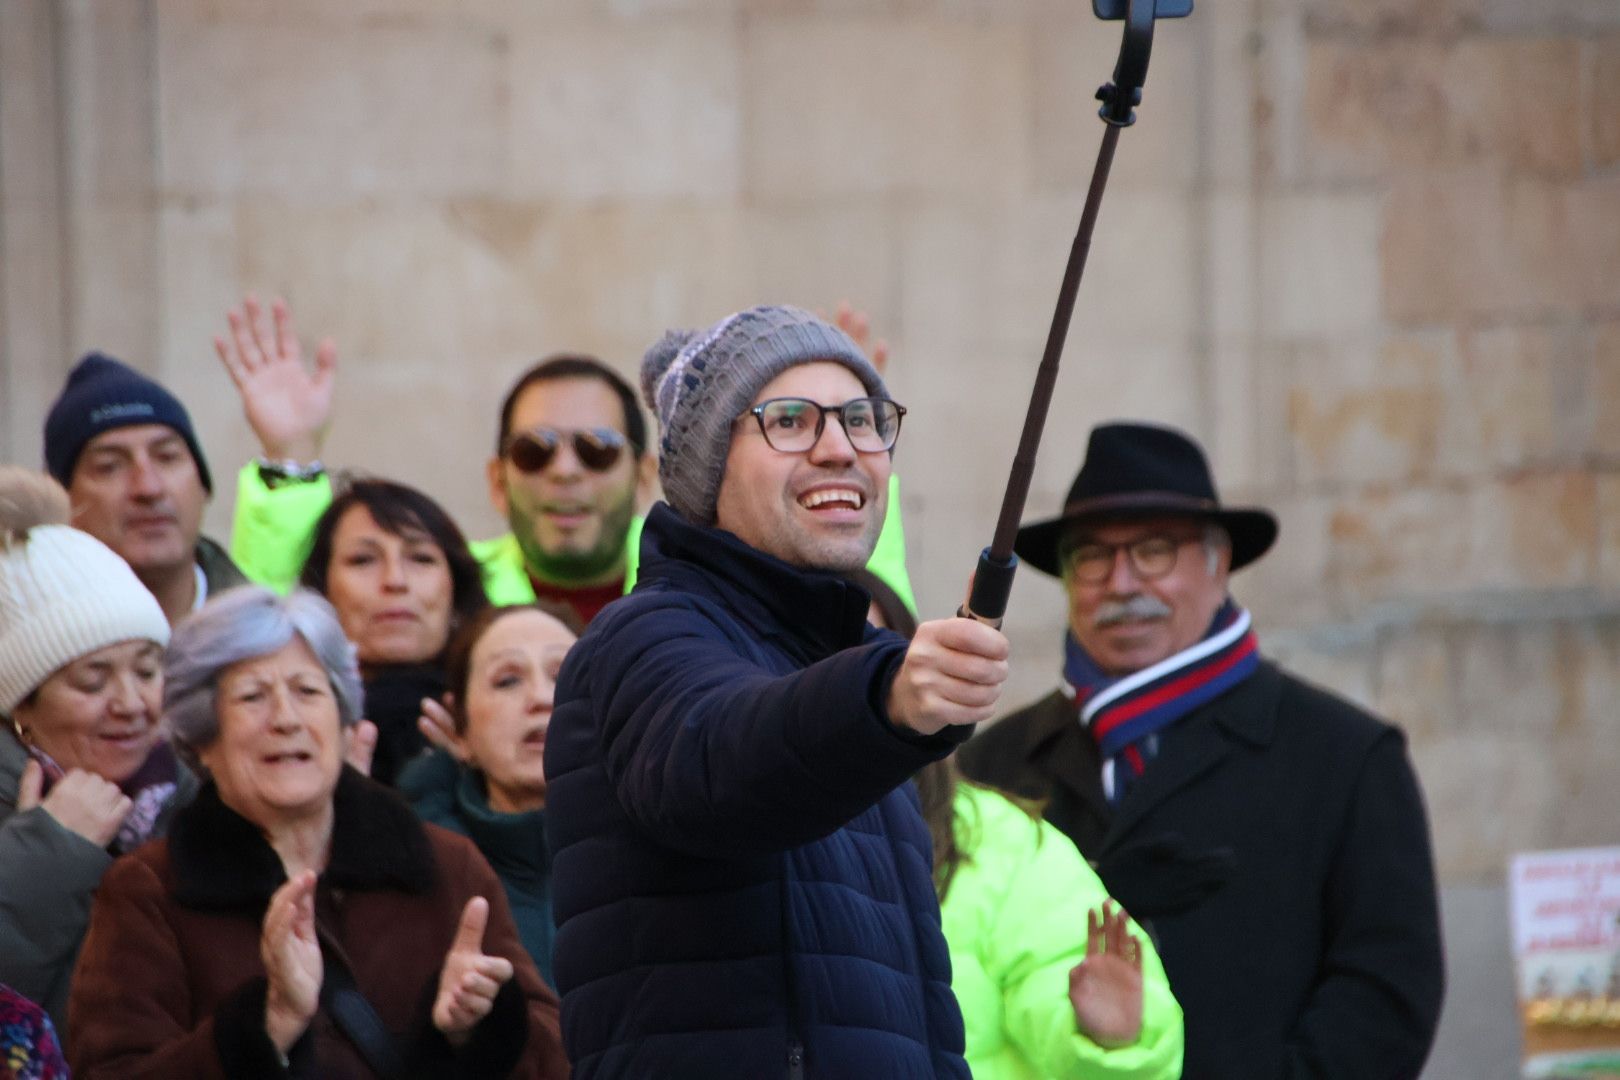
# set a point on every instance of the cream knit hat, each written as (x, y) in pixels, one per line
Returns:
(63, 593)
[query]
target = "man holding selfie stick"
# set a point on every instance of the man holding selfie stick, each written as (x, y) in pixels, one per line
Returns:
(742, 871)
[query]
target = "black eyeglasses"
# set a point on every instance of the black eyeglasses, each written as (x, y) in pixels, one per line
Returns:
(1151, 557)
(598, 449)
(792, 425)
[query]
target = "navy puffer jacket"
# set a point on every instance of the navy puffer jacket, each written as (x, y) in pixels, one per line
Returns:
(742, 874)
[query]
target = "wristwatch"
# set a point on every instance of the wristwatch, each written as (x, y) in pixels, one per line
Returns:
(285, 473)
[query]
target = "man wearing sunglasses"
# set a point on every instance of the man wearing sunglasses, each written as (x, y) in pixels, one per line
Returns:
(742, 871)
(571, 469)
(569, 473)
(1271, 835)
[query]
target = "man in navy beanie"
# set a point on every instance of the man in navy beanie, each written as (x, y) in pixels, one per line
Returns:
(124, 448)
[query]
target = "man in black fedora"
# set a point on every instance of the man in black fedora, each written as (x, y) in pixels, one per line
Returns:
(1270, 834)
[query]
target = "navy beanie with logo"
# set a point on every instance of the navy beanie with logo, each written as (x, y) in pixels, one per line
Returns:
(102, 394)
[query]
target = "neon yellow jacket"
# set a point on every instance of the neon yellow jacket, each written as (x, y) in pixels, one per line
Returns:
(1015, 922)
(274, 527)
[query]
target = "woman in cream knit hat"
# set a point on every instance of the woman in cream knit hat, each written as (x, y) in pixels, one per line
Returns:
(84, 772)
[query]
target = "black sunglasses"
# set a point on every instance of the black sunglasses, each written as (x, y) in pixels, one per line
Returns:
(598, 449)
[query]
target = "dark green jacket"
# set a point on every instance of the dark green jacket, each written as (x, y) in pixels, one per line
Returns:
(48, 876)
(452, 796)
(218, 569)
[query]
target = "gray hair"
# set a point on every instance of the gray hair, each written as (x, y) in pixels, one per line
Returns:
(1216, 540)
(244, 624)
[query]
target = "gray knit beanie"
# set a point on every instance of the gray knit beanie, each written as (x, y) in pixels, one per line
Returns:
(699, 382)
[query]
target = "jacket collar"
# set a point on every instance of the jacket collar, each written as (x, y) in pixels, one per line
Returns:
(1056, 743)
(221, 860)
(1245, 714)
(217, 567)
(513, 843)
(817, 610)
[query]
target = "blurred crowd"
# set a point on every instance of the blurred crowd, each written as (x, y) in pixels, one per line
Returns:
(671, 779)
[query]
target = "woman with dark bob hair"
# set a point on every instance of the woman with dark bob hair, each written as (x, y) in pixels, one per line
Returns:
(298, 920)
(398, 572)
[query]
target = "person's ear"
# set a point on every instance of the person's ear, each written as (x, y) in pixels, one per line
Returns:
(495, 476)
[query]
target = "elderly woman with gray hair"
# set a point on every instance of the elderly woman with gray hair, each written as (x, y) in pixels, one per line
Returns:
(298, 920)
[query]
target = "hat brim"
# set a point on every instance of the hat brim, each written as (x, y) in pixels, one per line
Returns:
(1252, 530)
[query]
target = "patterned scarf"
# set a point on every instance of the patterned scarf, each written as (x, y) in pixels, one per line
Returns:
(1125, 714)
(149, 788)
(29, 1048)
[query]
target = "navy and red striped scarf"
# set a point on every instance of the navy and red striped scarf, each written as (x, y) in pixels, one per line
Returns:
(1125, 714)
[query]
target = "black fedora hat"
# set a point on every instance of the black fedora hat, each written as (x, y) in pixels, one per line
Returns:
(1143, 470)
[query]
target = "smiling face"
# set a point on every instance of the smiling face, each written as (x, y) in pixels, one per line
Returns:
(1127, 623)
(137, 490)
(279, 749)
(511, 684)
(569, 520)
(392, 591)
(99, 713)
(819, 509)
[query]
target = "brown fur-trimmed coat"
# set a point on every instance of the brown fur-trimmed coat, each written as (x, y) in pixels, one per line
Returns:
(170, 984)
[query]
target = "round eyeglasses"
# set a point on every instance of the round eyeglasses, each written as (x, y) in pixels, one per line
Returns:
(792, 425)
(1151, 557)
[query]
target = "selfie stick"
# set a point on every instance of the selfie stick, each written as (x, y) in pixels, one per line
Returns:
(992, 582)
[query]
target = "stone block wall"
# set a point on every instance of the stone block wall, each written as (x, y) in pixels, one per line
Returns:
(1367, 250)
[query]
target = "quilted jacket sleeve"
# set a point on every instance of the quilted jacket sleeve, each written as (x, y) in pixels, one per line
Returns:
(710, 754)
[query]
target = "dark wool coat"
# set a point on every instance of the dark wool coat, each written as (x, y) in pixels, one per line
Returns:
(1279, 850)
(170, 985)
(742, 874)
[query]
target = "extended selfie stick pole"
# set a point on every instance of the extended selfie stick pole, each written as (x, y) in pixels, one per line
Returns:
(992, 582)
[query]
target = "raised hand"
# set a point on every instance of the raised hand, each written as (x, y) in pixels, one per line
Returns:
(859, 327)
(470, 979)
(81, 802)
(360, 746)
(438, 727)
(952, 674)
(288, 406)
(292, 961)
(1106, 987)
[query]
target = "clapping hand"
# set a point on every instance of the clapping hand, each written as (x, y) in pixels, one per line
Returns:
(288, 406)
(292, 961)
(1106, 987)
(470, 978)
(360, 746)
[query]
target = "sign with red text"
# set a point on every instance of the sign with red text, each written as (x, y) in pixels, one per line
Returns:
(1566, 947)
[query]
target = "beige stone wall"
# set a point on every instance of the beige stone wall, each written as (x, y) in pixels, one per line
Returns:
(1368, 250)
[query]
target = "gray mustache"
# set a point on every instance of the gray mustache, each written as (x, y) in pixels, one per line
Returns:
(1134, 607)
